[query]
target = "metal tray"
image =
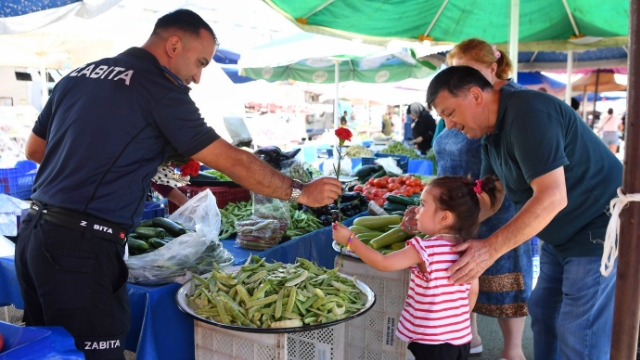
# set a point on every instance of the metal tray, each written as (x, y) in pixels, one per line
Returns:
(187, 289)
(345, 251)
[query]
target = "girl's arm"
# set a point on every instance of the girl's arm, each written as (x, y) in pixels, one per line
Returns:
(398, 260)
(473, 294)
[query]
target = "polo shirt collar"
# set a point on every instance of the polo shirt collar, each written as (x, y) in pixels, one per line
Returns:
(144, 55)
(505, 96)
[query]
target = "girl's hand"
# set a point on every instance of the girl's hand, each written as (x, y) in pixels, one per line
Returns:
(341, 233)
(409, 222)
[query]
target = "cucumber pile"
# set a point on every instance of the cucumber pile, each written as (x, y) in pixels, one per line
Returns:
(153, 234)
(381, 233)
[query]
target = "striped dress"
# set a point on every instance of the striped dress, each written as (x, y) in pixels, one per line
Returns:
(435, 311)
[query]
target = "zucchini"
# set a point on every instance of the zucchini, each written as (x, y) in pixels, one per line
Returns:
(377, 222)
(388, 238)
(391, 207)
(379, 174)
(387, 251)
(146, 223)
(169, 226)
(359, 229)
(368, 235)
(137, 246)
(403, 200)
(398, 246)
(157, 243)
(150, 232)
(401, 213)
(366, 170)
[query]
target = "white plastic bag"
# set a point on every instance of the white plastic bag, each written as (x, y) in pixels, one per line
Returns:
(389, 165)
(329, 164)
(195, 251)
(7, 247)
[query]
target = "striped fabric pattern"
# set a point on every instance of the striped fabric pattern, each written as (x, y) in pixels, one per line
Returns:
(435, 311)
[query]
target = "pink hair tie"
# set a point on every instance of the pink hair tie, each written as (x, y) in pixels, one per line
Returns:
(496, 53)
(478, 187)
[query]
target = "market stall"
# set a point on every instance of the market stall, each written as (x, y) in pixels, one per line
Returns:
(159, 330)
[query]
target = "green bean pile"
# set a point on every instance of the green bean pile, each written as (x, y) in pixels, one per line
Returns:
(232, 213)
(302, 223)
(276, 295)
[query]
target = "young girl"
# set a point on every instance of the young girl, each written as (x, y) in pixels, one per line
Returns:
(435, 318)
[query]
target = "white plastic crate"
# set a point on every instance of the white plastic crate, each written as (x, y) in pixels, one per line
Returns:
(372, 335)
(217, 343)
(11, 315)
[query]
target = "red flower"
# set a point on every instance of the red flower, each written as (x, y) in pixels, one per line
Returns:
(343, 134)
(192, 168)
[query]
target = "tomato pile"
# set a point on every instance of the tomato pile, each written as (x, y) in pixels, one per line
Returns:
(375, 189)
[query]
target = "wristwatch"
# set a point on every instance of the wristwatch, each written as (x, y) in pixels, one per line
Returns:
(296, 189)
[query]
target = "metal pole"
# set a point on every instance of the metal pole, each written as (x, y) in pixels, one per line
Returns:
(626, 312)
(336, 101)
(44, 84)
(595, 95)
(567, 92)
(513, 36)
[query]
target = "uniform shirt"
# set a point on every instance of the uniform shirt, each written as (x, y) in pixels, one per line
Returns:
(108, 125)
(435, 311)
(536, 133)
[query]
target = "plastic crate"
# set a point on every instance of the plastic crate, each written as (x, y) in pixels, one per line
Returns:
(401, 160)
(217, 343)
(152, 210)
(224, 194)
(372, 335)
(11, 315)
(18, 181)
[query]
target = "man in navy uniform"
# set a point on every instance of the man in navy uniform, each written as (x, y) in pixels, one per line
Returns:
(100, 139)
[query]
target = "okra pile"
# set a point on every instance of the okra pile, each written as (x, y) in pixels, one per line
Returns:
(263, 295)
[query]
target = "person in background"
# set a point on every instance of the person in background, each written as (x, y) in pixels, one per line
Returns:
(100, 138)
(343, 119)
(422, 128)
(506, 285)
(407, 125)
(435, 317)
(561, 178)
(170, 193)
(609, 129)
(387, 125)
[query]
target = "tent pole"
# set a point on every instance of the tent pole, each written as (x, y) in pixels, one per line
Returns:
(336, 101)
(595, 96)
(584, 107)
(513, 36)
(626, 312)
(43, 84)
(568, 90)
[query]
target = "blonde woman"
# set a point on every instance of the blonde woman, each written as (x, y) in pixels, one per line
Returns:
(506, 285)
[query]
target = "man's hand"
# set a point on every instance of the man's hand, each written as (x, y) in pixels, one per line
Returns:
(478, 256)
(320, 192)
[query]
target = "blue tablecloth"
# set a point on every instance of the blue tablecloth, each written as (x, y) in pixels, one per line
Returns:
(159, 330)
(46, 342)
(420, 167)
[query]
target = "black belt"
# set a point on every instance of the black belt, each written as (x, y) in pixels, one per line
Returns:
(81, 222)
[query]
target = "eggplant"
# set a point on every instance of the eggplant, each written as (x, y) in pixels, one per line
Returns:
(271, 155)
(326, 220)
(350, 196)
(335, 215)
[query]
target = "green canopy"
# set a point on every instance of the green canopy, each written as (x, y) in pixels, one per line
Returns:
(543, 24)
(374, 69)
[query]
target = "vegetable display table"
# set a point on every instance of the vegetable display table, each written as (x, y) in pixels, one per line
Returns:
(159, 330)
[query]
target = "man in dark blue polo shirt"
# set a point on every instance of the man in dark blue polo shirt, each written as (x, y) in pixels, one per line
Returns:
(561, 179)
(100, 139)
